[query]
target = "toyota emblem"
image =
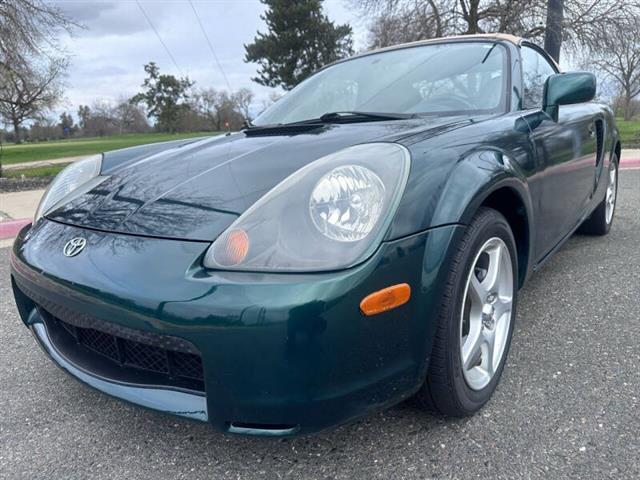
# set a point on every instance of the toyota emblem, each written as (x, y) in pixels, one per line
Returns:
(74, 246)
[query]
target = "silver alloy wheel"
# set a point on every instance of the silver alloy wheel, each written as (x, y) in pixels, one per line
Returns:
(612, 192)
(486, 313)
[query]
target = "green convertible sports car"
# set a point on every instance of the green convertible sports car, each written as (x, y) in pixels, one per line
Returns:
(361, 242)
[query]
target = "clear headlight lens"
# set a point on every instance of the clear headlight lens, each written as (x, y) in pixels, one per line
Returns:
(75, 180)
(329, 215)
(347, 202)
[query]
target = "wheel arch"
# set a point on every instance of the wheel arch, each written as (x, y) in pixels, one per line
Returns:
(508, 201)
(492, 179)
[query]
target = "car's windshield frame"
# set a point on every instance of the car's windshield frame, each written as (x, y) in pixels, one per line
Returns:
(504, 106)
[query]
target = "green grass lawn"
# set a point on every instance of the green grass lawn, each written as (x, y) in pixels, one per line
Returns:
(629, 132)
(46, 171)
(28, 152)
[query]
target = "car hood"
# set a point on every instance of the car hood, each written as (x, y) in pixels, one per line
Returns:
(194, 191)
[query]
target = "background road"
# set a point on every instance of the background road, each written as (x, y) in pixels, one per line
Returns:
(567, 405)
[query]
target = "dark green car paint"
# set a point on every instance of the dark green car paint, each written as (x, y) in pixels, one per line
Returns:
(567, 89)
(277, 349)
(293, 350)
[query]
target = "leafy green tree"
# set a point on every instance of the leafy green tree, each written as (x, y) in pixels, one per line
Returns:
(84, 114)
(300, 40)
(66, 124)
(165, 97)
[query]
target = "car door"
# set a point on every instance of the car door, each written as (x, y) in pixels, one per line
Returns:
(566, 154)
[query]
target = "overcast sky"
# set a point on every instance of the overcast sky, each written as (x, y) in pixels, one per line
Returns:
(107, 57)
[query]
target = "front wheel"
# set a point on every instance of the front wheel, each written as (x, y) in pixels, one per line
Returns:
(599, 222)
(476, 319)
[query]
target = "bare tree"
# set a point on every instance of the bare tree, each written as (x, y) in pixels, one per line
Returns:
(28, 26)
(408, 20)
(130, 118)
(105, 118)
(222, 109)
(242, 99)
(44, 129)
(619, 56)
(28, 93)
(581, 23)
(408, 23)
(273, 97)
(206, 102)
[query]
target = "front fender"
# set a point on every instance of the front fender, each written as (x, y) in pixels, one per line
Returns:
(489, 177)
(473, 180)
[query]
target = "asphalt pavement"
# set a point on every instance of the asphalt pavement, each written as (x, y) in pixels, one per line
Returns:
(567, 406)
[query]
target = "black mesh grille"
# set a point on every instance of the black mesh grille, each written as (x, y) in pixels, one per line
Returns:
(146, 357)
(189, 364)
(138, 355)
(117, 352)
(99, 342)
(127, 353)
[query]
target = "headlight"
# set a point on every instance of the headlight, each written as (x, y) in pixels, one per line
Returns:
(346, 203)
(330, 214)
(73, 181)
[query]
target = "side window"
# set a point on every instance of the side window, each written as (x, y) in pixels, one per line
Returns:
(535, 70)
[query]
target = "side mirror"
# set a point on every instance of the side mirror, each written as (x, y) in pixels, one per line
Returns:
(567, 89)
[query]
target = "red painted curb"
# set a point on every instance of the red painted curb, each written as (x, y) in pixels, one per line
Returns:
(630, 162)
(10, 228)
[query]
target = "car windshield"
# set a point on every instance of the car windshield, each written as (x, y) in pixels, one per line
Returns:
(446, 78)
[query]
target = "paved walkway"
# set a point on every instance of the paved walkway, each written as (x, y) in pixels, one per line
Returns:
(16, 211)
(19, 204)
(42, 163)
(630, 158)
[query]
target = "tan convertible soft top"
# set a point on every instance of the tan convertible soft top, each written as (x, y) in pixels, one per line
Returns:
(479, 36)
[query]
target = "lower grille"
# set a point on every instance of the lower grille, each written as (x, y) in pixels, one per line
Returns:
(146, 357)
(115, 352)
(133, 354)
(97, 341)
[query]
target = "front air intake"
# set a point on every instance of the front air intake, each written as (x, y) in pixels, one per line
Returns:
(263, 429)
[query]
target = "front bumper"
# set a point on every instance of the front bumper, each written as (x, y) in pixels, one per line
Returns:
(168, 400)
(281, 353)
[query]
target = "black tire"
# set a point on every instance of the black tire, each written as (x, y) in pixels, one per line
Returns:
(445, 390)
(598, 223)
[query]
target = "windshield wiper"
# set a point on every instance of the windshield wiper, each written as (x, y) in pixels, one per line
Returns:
(489, 52)
(331, 117)
(350, 116)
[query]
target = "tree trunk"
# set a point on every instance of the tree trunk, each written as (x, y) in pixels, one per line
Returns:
(627, 105)
(16, 129)
(471, 16)
(553, 30)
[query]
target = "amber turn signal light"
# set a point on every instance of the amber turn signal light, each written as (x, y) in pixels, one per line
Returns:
(236, 248)
(386, 299)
